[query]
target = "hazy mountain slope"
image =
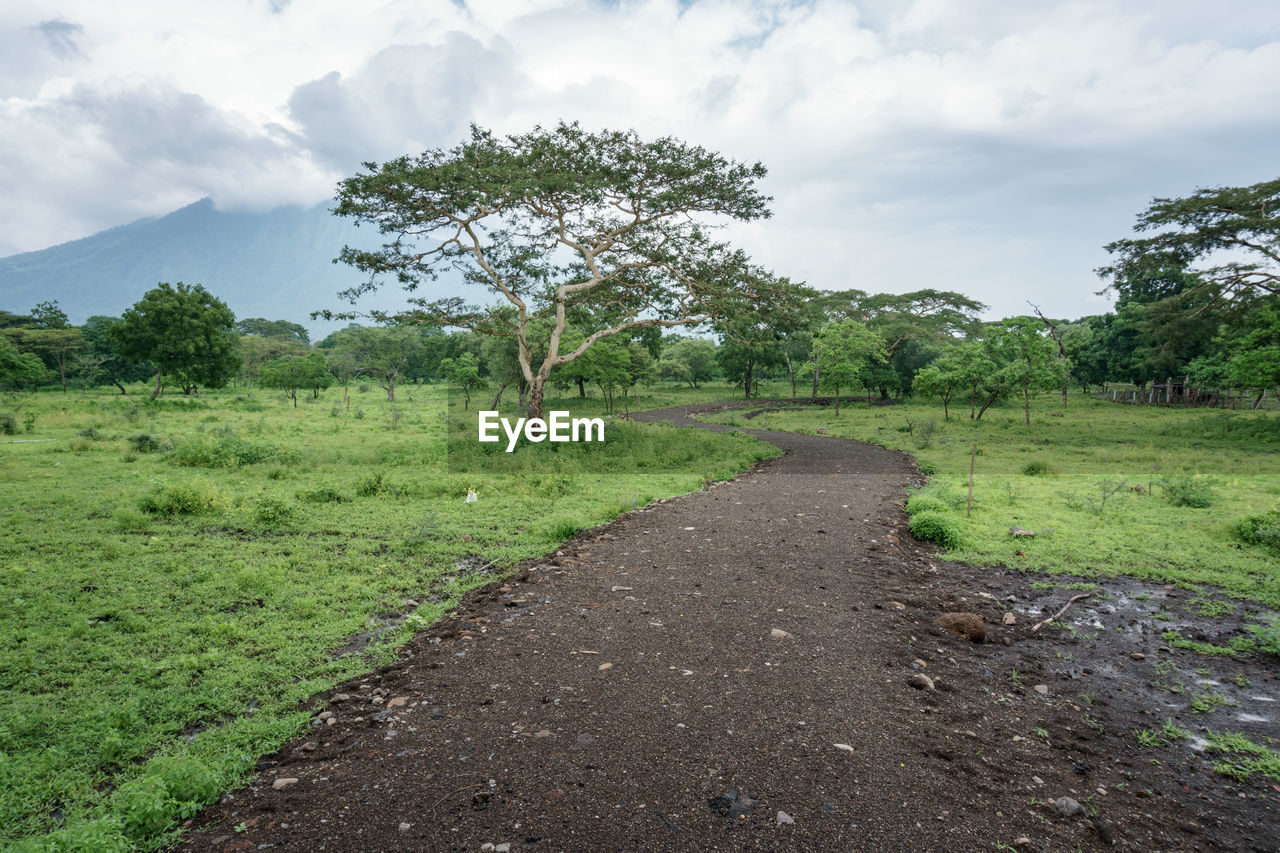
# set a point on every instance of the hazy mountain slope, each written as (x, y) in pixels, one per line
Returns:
(276, 265)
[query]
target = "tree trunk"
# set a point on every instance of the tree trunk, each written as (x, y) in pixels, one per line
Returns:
(582, 387)
(116, 382)
(837, 400)
(391, 390)
(536, 390)
(986, 406)
(156, 392)
(746, 381)
(816, 373)
(294, 394)
(497, 398)
(1026, 401)
(946, 415)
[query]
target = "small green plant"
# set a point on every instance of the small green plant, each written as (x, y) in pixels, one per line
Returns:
(1246, 757)
(921, 502)
(1015, 679)
(1213, 608)
(1166, 735)
(1039, 468)
(1267, 635)
(1207, 702)
(937, 527)
(8, 424)
(29, 422)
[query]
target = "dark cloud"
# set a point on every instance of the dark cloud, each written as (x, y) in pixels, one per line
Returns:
(61, 37)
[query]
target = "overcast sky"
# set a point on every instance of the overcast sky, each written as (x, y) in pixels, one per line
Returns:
(981, 146)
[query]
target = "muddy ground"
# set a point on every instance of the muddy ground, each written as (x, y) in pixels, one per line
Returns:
(732, 670)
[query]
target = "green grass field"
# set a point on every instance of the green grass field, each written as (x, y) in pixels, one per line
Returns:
(178, 575)
(1052, 478)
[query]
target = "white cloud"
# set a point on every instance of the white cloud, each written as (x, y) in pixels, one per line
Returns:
(958, 144)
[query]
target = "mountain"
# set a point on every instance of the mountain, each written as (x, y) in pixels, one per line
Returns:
(276, 265)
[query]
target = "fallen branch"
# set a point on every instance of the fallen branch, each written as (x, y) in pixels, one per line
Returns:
(1065, 607)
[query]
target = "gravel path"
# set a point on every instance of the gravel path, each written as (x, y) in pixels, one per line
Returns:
(724, 671)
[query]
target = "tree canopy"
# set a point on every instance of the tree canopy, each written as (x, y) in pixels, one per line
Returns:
(561, 221)
(184, 331)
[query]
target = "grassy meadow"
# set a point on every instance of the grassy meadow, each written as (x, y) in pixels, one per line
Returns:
(178, 574)
(1108, 488)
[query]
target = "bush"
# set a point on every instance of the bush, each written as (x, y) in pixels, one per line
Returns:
(937, 527)
(145, 442)
(8, 424)
(1267, 636)
(182, 499)
(1262, 530)
(131, 521)
(226, 451)
(1038, 468)
(1195, 492)
(322, 495)
(271, 512)
(371, 485)
(922, 502)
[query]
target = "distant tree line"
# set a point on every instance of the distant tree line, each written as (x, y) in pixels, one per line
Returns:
(1198, 298)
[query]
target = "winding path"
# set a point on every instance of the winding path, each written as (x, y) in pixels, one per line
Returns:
(723, 671)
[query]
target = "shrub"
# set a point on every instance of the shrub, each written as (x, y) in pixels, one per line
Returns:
(1038, 468)
(131, 521)
(29, 422)
(271, 511)
(1262, 529)
(91, 433)
(937, 527)
(145, 442)
(371, 485)
(8, 424)
(1195, 492)
(226, 451)
(182, 499)
(1267, 636)
(322, 495)
(922, 502)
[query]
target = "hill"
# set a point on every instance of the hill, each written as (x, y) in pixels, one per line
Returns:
(276, 264)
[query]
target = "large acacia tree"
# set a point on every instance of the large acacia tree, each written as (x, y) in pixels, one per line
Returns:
(561, 223)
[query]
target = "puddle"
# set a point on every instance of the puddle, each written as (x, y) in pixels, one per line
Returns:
(1251, 718)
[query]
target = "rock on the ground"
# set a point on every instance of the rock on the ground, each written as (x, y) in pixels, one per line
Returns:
(1009, 619)
(283, 782)
(779, 633)
(920, 681)
(968, 626)
(1021, 533)
(784, 818)
(1067, 807)
(1042, 689)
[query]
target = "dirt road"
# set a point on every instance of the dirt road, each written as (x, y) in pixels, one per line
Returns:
(730, 671)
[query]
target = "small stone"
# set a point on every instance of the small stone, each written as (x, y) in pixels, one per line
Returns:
(1042, 689)
(919, 663)
(341, 697)
(398, 702)
(1009, 619)
(502, 848)
(378, 700)
(779, 634)
(844, 747)
(784, 818)
(1021, 840)
(1005, 641)
(920, 681)
(1067, 807)
(309, 746)
(1037, 780)
(968, 626)
(283, 782)
(602, 667)
(541, 733)
(325, 715)
(1021, 533)
(404, 827)
(1138, 656)
(898, 605)
(487, 847)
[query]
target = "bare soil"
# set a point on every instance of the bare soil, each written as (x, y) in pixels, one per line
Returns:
(729, 671)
